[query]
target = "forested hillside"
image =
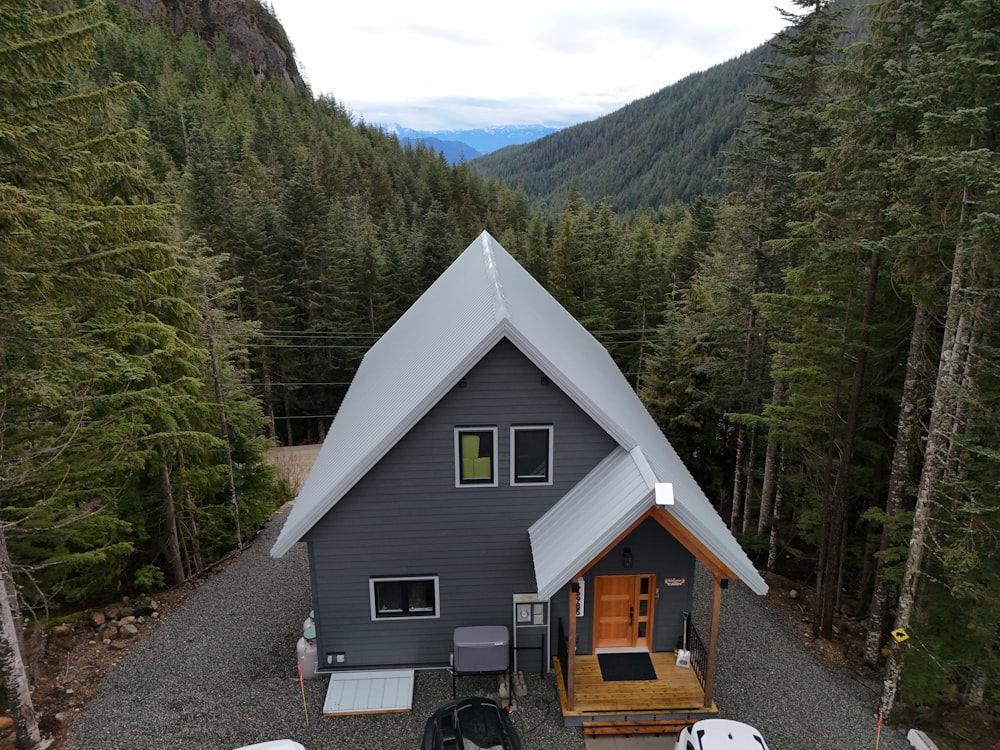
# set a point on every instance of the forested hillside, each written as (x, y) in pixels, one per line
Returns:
(669, 146)
(195, 253)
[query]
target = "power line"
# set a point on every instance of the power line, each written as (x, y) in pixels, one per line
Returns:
(279, 333)
(289, 385)
(308, 416)
(313, 346)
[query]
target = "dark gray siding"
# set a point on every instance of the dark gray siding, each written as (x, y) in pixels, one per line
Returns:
(406, 518)
(654, 551)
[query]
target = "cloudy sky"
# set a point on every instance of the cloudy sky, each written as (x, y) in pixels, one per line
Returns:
(444, 64)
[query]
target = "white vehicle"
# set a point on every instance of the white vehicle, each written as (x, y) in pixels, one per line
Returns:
(719, 734)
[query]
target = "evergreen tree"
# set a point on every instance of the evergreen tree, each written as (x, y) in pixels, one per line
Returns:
(946, 203)
(76, 212)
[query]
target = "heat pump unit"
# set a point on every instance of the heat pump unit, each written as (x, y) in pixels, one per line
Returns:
(482, 648)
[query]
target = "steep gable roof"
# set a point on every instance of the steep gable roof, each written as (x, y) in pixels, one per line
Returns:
(484, 296)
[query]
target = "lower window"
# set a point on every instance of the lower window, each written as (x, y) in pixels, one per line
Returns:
(409, 597)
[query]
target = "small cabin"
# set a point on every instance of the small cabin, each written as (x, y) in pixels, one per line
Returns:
(490, 466)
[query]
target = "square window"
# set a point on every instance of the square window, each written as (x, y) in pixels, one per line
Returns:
(403, 598)
(531, 455)
(475, 456)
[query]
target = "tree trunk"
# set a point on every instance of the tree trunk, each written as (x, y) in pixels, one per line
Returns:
(223, 423)
(734, 516)
(908, 429)
(290, 440)
(12, 667)
(767, 490)
(772, 547)
(170, 514)
(642, 351)
(748, 485)
(195, 561)
(976, 692)
(837, 525)
(939, 437)
(268, 399)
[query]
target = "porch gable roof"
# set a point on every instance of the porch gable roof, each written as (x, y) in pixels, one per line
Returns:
(604, 506)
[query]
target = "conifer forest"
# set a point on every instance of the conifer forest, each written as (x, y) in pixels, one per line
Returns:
(194, 257)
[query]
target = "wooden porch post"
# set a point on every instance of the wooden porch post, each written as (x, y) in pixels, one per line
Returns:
(571, 648)
(713, 640)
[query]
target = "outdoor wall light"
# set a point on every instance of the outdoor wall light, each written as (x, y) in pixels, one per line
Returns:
(664, 493)
(627, 561)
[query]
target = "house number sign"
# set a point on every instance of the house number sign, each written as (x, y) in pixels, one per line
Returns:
(674, 581)
(579, 598)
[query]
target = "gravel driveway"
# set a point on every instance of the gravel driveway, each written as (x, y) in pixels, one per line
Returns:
(221, 673)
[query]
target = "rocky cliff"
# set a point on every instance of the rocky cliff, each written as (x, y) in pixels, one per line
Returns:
(253, 34)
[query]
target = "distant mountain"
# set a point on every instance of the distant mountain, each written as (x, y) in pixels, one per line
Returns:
(470, 144)
(453, 151)
(669, 146)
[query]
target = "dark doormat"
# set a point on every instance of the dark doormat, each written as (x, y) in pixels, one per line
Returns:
(631, 665)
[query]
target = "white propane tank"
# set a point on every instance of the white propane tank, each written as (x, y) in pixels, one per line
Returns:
(308, 658)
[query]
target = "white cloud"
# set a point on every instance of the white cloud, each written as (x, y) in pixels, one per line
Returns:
(448, 64)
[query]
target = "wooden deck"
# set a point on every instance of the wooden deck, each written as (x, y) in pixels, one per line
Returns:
(674, 699)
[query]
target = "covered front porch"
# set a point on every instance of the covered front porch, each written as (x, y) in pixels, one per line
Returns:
(673, 700)
(622, 565)
(667, 699)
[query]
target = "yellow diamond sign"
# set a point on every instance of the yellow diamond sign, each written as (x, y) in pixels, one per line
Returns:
(900, 635)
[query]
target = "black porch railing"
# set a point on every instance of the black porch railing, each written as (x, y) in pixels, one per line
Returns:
(563, 651)
(699, 654)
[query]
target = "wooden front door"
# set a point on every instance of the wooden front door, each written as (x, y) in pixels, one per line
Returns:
(623, 611)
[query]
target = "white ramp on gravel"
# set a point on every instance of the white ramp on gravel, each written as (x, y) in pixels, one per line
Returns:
(369, 692)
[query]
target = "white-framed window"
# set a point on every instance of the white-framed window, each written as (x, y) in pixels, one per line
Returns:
(475, 456)
(531, 454)
(404, 598)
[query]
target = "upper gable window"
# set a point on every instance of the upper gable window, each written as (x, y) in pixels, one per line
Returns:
(475, 456)
(531, 454)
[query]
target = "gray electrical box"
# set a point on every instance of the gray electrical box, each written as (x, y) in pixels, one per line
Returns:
(531, 633)
(482, 648)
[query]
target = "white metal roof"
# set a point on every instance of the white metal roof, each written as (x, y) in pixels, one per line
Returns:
(601, 507)
(484, 296)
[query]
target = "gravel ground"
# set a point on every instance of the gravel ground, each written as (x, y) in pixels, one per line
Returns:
(768, 677)
(221, 673)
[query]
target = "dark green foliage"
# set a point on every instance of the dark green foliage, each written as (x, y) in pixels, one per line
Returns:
(103, 362)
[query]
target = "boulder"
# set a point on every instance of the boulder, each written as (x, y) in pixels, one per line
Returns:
(109, 632)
